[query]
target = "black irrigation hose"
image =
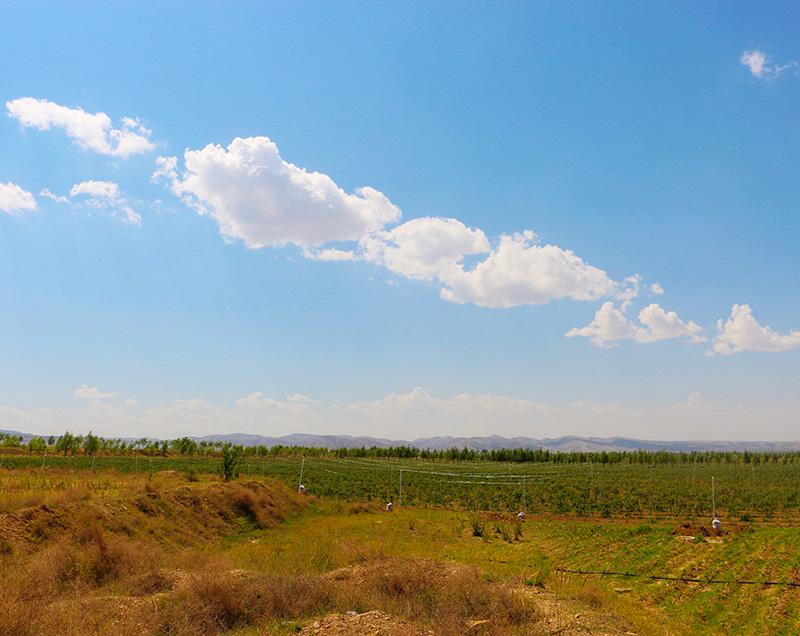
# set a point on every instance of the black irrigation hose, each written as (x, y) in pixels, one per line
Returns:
(681, 579)
(654, 577)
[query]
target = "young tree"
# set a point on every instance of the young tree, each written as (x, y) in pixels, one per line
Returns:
(91, 444)
(229, 463)
(37, 444)
(67, 443)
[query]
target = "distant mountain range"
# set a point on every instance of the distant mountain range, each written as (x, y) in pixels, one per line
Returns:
(566, 444)
(563, 444)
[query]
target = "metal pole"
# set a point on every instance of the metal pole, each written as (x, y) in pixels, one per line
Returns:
(302, 467)
(713, 500)
(44, 460)
(400, 499)
(524, 494)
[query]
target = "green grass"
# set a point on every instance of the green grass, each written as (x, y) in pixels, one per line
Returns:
(325, 539)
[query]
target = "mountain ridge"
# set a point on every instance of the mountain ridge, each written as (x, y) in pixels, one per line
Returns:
(565, 444)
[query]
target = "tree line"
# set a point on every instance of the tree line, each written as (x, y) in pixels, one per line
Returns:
(90, 444)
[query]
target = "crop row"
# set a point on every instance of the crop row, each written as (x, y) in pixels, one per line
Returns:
(767, 490)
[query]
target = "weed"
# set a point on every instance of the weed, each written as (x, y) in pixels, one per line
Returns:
(477, 524)
(537, 570)
(359, 508)
(506, 532)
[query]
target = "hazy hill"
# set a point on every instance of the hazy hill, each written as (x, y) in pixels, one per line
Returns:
(567, 444)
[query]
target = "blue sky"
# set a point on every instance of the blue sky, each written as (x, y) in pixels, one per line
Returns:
(533, 218)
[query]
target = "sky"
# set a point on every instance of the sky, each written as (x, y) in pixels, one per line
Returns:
(400, 220)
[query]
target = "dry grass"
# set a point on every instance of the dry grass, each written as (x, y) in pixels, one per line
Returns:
(94, 568)
(166, 557)
(446, 597)
(74, 565)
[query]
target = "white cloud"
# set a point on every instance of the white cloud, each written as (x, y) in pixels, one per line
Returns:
(58, 199)
(256, 196)
(756, 61)
(14, 199)
(423, 248)
(519, 272)
(103, 194)
(92, 393)
(657, 289)
(741, 332)
(662, 325)
(610, 324)
(92, 132)
(329, 254)
(409, 416)
(297, 404)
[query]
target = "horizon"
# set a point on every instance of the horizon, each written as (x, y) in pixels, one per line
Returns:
(522, 220)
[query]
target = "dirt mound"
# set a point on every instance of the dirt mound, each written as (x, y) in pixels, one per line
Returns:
(696, 530)
(367, 624)
(207, 511)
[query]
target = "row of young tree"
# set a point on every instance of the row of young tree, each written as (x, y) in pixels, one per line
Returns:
(90, 444)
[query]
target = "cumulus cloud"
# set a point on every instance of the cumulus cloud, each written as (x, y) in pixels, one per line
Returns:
(90, 131)
(106, 194)
(425, 247)
(662, 325)
(756, 62)
(741, 332)
(92, 393)
(520, 272)
(296, 403)
(14, 199)
(611, 324)
(256, 196)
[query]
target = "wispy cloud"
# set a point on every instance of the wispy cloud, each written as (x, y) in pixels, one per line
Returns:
(45, 192)
(757, 62)
(91, 131)
(13, 199)
(106, 194)
(92, 393)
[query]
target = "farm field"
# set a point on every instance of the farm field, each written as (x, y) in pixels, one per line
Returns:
(732, 488)
(614, 549)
